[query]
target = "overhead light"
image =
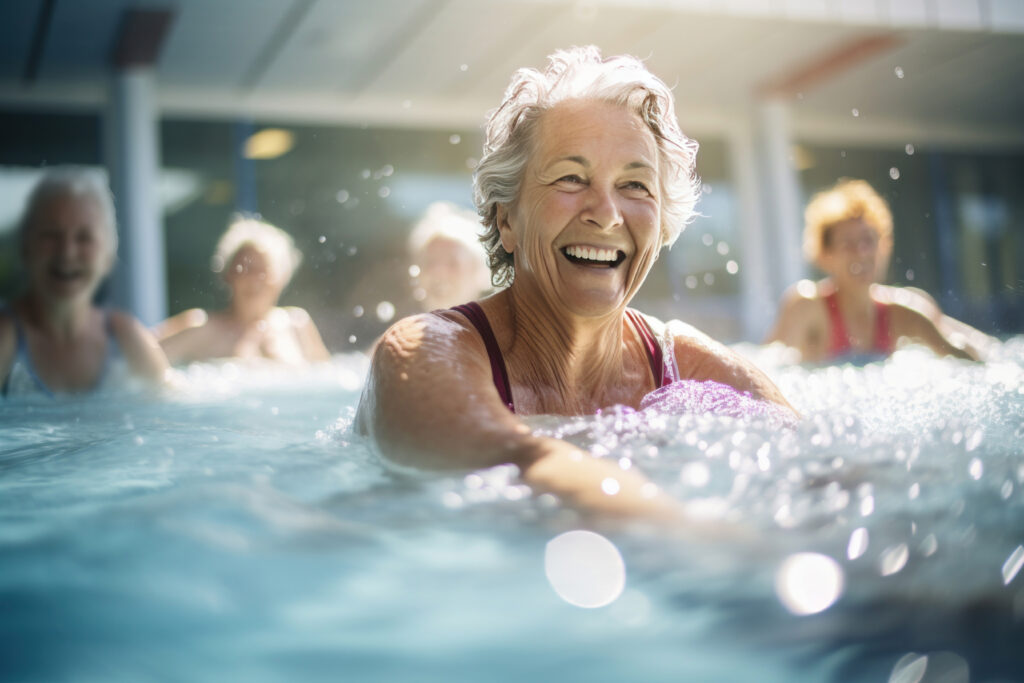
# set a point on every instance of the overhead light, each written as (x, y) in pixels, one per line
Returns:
(269, 143)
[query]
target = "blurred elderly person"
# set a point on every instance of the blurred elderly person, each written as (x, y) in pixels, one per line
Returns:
(585, 177)
(53, 337)
(848, 315)
(450, 262)
(256, 261)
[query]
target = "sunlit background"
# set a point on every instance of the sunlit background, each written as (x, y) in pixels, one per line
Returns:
(341, 121)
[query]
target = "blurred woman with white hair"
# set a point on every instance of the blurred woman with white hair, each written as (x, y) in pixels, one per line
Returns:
(451, 264)
(256, 261)
(53, 338)
(585, 177)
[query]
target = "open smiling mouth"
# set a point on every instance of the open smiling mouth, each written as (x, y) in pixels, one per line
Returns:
(597, 258)
(64, 275)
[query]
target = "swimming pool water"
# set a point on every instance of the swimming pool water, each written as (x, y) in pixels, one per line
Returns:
(238, 530)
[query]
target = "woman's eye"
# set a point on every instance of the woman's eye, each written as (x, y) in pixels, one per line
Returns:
(637, 185)
(571, 178)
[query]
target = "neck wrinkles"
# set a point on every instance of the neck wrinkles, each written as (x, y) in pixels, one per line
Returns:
(565, 359)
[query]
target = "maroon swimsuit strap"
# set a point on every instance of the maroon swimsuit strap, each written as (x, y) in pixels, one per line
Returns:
(654, 356)
(475, 314)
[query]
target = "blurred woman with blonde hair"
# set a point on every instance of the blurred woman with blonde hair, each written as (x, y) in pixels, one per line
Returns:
(848, 315)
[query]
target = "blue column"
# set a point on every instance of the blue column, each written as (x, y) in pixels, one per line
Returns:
(132, 149)
(246, 198)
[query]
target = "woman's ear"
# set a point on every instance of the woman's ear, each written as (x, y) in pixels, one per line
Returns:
(504, 218)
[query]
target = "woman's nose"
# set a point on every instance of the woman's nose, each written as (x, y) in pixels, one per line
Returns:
(602, 208)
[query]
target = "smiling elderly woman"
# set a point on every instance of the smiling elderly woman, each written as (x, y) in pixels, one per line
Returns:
(585, 177)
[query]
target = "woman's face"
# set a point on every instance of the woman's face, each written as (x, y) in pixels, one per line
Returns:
(67, 249)
(450, 273)
(251, 277)
(586, 227)
(855, 254)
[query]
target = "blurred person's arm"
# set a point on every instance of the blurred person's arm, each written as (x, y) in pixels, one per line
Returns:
(193, 317)
(961, 335)
(798, 324)
(139, 347)
(910, 322)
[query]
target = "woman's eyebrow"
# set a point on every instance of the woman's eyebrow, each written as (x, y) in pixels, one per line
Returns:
(582, 161)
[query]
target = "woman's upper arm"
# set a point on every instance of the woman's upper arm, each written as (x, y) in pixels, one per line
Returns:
(139, 347)
(429, 400)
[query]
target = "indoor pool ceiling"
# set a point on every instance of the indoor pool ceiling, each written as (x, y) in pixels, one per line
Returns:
(948, 68)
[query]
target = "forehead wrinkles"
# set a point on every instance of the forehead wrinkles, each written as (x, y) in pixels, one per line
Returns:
(562, 130)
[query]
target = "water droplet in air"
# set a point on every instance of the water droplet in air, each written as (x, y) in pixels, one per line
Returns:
(898, 71)
(610, 486)
(414, 270)
(722, 248)
(385, 311)
(384, 192)
(321, 239)
(454, 138)
(894, 173)
(342, 196)
(691, 282)
(352, 339)
(732, 267)
(707, 239)
(910, 274)
(855, 112)
(464, 67)
(358, 311)
(909, 149)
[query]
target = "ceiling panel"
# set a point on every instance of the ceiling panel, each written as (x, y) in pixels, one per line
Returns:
(215, 44)
(17, 25)
(339, 43)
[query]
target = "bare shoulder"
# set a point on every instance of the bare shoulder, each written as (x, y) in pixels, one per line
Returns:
(298, 316)
(429, 399)
(700, 357)
(430, 337)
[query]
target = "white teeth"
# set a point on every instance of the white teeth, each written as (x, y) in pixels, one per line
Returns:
(590, 254)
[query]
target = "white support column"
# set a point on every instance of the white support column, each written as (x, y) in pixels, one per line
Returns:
(756, 288)
(132, 137)
(782, 202)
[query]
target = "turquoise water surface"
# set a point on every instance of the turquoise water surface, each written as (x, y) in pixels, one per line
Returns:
(238, 530)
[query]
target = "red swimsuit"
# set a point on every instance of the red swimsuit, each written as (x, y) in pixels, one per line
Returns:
(839, 339)
(475, 314)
